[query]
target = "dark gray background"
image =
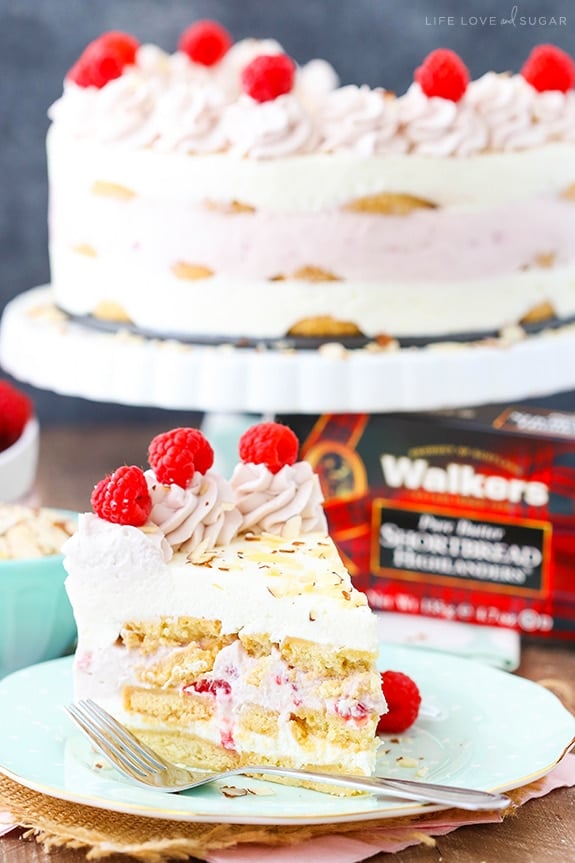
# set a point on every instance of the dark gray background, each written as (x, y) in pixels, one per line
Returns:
(372, 41)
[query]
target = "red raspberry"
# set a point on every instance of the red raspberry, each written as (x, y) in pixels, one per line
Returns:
(80, 73)
(403, 701)
(104, 59)
(124, 44)
(443, 73)
(15, 411)
(270, 443)
(175, 455)
(268, 76)
(212, 686)
(549, 68)
(123, 497)
(205, 42)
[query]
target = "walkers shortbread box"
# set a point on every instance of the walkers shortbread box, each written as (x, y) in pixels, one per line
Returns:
(466, 515)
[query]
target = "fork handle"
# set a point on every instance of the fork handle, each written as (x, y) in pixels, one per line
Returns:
(409, 789)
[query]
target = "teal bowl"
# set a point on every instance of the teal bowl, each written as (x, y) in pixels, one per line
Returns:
(36, 619)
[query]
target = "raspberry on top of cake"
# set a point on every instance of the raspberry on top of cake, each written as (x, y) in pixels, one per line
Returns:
(216, 618)
(224, 191)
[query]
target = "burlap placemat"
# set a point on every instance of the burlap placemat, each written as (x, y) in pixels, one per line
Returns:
(54, 822)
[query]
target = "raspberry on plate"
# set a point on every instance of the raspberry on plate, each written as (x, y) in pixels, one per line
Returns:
(176, 455)
(123, 497)
(269, 443)
(403, 702)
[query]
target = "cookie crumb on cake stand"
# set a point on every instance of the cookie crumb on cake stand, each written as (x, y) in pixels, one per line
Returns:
(84, 362)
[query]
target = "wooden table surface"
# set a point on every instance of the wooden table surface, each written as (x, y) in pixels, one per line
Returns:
(542, 831)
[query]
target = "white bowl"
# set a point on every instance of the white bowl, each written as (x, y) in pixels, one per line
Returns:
(18, 464)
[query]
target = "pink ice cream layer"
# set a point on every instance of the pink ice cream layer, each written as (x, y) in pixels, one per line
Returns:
(430, 244)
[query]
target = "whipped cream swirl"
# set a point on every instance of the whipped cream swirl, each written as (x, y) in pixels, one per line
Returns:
(122, 112)
(263, 130)
(197, 518)
(287, 503)
(360, 120)
(152, 62)
(189, 119)
(505, 102)
(555, 111)
(313, 82)
(172, 104)
(439, 127)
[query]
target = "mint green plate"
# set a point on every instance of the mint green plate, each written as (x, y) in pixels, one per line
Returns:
(493, 731)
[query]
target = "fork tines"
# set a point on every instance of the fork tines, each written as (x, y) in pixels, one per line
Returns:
(121, 747)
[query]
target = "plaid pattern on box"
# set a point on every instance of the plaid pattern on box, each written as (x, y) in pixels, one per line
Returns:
(466, 515)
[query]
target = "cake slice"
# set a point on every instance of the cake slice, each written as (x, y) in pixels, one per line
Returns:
(216, 619)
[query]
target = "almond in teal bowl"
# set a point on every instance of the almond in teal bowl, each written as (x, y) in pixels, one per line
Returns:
(36, 620)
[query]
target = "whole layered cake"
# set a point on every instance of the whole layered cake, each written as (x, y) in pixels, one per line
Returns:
(216, 619)
(222, 192)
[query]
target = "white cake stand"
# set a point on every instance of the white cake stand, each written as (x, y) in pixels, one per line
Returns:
(42, 347)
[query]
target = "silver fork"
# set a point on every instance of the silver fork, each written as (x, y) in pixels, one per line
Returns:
(145, 767)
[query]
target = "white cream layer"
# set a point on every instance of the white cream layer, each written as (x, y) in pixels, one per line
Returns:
(261, 309)
(296, 588)
(310, 182)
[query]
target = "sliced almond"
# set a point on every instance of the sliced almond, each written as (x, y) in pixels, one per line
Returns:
(192, 272)
(389, 204)
(262, 557)
(406, 761)
(23, 542)
(112, 190)
(27, 532)
(234, 791)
